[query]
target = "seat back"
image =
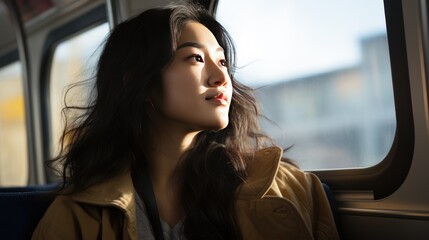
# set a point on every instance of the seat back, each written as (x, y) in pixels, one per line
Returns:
(334, 206)
(21, 208)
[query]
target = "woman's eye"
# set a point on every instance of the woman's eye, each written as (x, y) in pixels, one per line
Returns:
(197, 58)
(223, 63)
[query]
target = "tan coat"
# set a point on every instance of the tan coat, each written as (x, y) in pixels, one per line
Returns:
(277, 201)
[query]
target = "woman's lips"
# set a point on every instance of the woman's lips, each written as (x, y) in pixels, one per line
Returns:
(220, 97)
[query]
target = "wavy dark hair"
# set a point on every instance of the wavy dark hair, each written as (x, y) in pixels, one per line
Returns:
(107, 135)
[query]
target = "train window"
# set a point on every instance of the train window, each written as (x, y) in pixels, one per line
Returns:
(13, 143)
(73, 61)
(322, 74)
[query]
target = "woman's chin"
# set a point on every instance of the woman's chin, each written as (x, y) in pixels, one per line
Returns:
(217, 126)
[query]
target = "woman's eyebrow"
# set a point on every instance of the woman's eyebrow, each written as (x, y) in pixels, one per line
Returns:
(196, 45)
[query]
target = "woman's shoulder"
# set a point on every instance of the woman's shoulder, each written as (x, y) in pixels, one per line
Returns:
(62, 212)
(270, 173)
(68, 218)
(83, 209)
(270, 162)
(291, 173)
(290, 180)
(277, 182)
(64, 208)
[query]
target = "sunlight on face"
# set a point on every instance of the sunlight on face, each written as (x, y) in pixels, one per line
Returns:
(197, 88)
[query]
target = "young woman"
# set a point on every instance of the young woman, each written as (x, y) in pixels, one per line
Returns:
(170, 146)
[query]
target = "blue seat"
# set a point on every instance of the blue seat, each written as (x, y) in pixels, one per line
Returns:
(334, 206)
(21, 208)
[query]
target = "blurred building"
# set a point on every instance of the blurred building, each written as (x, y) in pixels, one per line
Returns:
(341, 118)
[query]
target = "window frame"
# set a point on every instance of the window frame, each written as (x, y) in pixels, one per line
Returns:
(88, 20)
(425, 30)
(388, 175)
(9, 57)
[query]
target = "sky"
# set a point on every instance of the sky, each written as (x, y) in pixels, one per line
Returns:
(279, 40)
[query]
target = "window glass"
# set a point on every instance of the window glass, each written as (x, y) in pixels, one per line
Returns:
(322, 73)
(13, 136)
(74, 61)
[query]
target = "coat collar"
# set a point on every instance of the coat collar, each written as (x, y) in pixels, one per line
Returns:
(119, 191)
(261, 173)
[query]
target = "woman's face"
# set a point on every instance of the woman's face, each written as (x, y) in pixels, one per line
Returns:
(197, 89)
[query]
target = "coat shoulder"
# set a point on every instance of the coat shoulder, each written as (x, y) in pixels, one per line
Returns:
(63, 219)
(291, 174)
(51, 225)
(305, 191)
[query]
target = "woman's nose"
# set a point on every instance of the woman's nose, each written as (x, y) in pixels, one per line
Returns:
(217, 75)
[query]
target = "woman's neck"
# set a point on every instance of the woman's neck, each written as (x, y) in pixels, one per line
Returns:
(163, 162)
(165, 155)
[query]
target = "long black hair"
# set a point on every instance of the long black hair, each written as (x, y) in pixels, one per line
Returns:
(106, 136)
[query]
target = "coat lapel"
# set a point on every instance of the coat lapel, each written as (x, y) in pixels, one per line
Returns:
(117, 191)
(261, 171)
